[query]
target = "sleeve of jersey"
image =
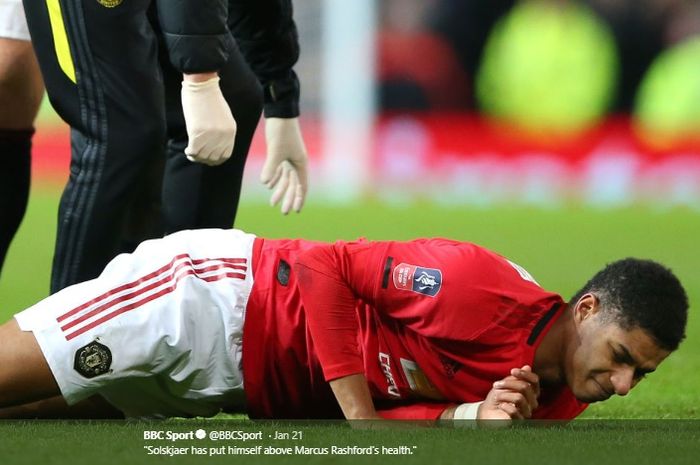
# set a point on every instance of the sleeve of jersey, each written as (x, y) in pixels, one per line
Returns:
(414, 411)
(196, 34)
(267, 36)
(331, 279)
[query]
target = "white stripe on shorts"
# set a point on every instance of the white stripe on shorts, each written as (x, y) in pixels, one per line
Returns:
(133, 295)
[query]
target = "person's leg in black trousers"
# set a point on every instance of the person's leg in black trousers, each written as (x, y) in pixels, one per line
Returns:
(107, 85)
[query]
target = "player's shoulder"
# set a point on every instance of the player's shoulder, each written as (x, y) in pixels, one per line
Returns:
(437, 243)
(452, 248)
(471, 260)
(452, 256)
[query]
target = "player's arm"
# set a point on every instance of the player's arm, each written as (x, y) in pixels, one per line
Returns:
(330, 283)
(430, 411)
(331, 279)
(511, 398)
(267, 36)
(354, 398)
(198, 43)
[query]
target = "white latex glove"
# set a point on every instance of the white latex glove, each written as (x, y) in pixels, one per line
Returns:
(211, 129)
(285, 168)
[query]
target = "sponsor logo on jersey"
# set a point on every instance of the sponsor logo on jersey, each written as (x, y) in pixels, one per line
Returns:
(93, 360)
(414, 278)
(385, 363)
(109, 3)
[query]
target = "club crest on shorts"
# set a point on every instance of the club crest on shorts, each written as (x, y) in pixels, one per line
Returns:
(414, 278)
(93, 360)
(109, 3)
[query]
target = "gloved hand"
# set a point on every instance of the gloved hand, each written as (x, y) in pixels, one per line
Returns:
(211, 129)
(285, 168)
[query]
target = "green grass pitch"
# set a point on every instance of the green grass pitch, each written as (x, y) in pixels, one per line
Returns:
(561, 248)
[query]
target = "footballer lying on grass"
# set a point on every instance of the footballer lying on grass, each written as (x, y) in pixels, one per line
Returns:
(425, 329)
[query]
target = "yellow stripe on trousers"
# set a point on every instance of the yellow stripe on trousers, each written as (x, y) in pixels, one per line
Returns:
(60, 39)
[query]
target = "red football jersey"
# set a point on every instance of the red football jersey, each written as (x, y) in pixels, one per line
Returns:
(430, 323)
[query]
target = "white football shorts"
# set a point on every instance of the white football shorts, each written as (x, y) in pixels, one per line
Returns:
(13, 23)
(159, 332)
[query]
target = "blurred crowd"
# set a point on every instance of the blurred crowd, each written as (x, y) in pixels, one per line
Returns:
(538, 59)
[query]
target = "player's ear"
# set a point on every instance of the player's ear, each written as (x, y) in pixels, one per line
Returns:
(587, 306)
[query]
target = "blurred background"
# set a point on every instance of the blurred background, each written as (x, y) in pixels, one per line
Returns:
(562, 134)
(484, 102)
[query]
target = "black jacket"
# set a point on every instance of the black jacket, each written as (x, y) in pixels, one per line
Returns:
(199, 35)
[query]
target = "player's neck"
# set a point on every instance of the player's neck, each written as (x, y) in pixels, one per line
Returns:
(549, 356)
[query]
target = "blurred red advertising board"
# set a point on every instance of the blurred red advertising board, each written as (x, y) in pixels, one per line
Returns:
(463, 159)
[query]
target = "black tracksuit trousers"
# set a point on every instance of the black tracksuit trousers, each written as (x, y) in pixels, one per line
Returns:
(128, 133)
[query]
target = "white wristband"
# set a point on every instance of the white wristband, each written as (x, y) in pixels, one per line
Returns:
(467, 411)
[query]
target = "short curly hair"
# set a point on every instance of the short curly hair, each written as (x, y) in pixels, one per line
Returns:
(644, 294)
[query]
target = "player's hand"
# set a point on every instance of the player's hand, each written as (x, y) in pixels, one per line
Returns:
(512, 398)
(285, 168)
(211, 129)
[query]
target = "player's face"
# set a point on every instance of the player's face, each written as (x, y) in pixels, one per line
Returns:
(608, 359)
